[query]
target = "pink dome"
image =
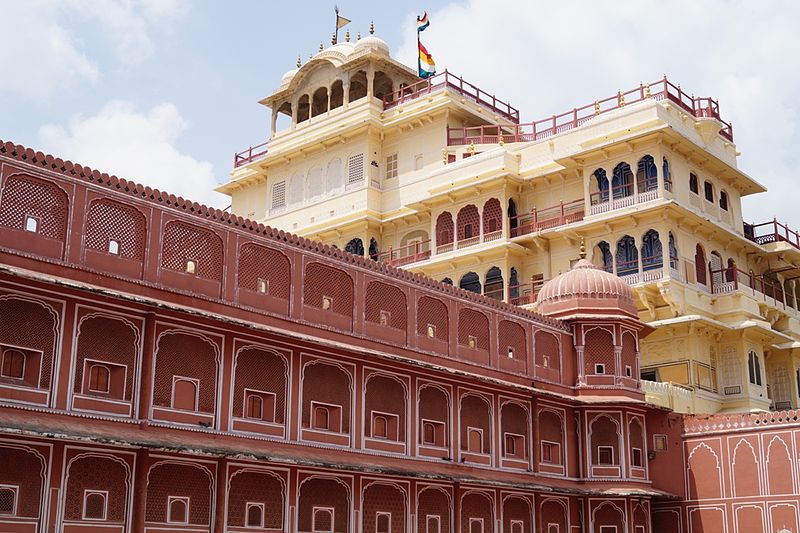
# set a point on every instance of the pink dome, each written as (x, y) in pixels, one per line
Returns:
(586, 290)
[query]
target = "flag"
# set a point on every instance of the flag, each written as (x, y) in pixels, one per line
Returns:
(427, 67)
(423, 22)
(341, 22)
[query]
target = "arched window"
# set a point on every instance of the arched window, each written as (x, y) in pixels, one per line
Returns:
(513, 283)
(255, 515)
(693, 186)
(723, 200)
(337, 94)
(178, 510)
(622, 181)
(715, 265)
(99, 378)
(319, 103)
(355, 247)
(94, 505)
(184, 394)
(470, 282)
(444, 229)
(602, 185)
(512, 214)
(493, 288)
(321, 418)
(730, 273)
(379, 425)
(13, 364)
(302, 108)
(700, 264)
(8, 501)
(255, 407)
(605, 255)
(373, 249)
(754, 368)
(708, 191)
(646, 174)
(651, 251)
(627, 256)
(667, 174)
(673, 252)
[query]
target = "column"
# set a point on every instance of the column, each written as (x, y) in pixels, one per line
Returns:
(294, 112)
(328, 109)
(146, 377)
(617, 363)
(639, 253)
(346, 93)
(663, 236)
(581, 366)
(370, 81)
(274, 121)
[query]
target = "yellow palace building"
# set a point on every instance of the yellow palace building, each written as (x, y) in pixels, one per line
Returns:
(442, 178)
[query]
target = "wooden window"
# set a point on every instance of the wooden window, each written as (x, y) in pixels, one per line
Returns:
(433, 523)
(476, 525)
(178, 510)
(191, 266)
(693, 185)
(184, 393)
(433, 433)
(99, 378)
(391, 166)
(599, 368)
(321, 418)
(754, 368)
(468, 231)
(517, 526)
(474, 440)
(550, 453)
(255, 407)
(379, 427)
(326, 417)
(723, 200)
(660, 443)
(262, 286)
(708, 191)
(514, 446)
(605, 455)
(95, 504)
(255, 515)
(322, 521)
(636, 457)
(8, 500)
(13, 364)
(113, 247)
(383, 523)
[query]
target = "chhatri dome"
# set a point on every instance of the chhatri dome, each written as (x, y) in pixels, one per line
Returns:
(586, 290)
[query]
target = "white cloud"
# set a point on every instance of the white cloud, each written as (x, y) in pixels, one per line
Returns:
(43, 40)
(547, 57)
(135, 146)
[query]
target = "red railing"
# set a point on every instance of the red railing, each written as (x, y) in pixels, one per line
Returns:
(525, 293)
(454, 83)
(405, 255)
(730, 279)
(250, 155)
(699, 107)
(547, 218)
(772, 232)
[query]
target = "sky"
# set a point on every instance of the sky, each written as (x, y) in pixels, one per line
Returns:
(163, 92)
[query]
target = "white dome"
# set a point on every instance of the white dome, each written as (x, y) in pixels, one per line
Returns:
(288, 76)
(370, 42)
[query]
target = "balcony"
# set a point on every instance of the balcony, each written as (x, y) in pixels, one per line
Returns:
(662, 90)
(769, 232)
(731, 280)
(621, 196)
(412, 253)
(249, 155)
(525, 293)
(547, 218)
(450, 82)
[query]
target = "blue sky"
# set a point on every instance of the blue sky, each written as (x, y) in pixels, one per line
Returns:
(165, 91)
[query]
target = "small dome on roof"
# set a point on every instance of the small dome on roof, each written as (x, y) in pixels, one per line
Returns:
(586, 290)
(286, 78)
(370, 42)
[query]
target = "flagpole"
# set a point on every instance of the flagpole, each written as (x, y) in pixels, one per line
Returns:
(336, 25)
(419, 62)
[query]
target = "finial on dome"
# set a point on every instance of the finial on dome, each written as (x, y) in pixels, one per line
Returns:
(321, 47)
(298, 63)
(347, 36)
(371, 27)
(583, 248)
(333, 39)
(358, 36)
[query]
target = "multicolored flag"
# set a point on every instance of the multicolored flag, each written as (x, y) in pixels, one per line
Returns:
(422, 22)
(427, 66)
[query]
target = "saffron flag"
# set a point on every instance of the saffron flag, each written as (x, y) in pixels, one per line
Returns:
(427, 67)
(422, 22)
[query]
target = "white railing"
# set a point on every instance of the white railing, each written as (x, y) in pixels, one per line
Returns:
(625, 201)
(667, 394)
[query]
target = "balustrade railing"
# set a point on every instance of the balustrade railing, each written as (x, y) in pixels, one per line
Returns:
(773, 231)
(547, 218)
(525, 293)
(250, 154)
(446, 80)
(699, 107)
(405, 255)
(731, 279)
(621, 196)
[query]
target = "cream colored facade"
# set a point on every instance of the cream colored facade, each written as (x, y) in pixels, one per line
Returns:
(371, 154)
